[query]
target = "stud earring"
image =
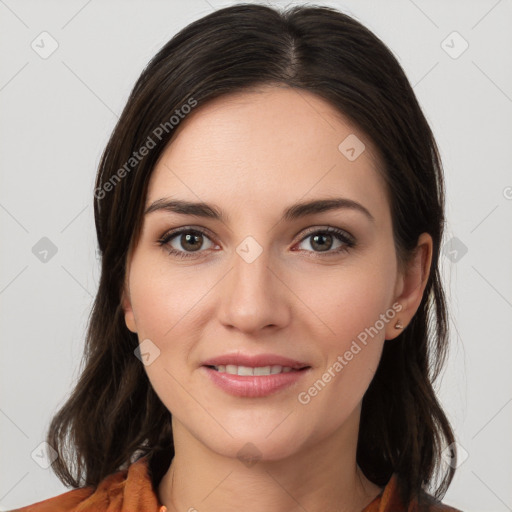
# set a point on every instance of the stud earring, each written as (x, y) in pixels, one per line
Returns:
(399, 325)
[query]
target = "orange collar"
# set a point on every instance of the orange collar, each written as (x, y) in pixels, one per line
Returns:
(131, 490)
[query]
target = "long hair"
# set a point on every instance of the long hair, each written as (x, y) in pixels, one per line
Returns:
(113, 416)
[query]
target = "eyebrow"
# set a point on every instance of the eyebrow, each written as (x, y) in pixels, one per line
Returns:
(293, 212)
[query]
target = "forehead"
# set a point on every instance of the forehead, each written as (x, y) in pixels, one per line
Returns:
(268, 146)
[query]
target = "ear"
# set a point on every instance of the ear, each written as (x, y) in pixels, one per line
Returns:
(126, 304)
(410, 285)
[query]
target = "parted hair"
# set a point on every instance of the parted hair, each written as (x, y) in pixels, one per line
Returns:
(113, 416)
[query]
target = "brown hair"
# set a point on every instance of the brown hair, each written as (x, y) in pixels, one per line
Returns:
(113, 416)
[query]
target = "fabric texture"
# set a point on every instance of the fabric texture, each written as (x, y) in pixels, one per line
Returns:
(132, 490)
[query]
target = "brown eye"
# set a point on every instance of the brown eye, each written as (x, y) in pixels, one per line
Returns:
(185, 242)
(191, 242)
(323, 240)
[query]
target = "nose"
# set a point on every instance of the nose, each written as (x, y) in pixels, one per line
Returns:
(254, 296)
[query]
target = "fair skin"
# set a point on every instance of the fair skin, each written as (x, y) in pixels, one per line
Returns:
(252, 155)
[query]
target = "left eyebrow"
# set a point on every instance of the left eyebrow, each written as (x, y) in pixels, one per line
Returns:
(299, 210)
(293, 212)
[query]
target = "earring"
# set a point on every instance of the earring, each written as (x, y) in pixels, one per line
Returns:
(399, 325)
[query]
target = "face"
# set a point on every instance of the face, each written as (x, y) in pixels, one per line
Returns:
(318, 288)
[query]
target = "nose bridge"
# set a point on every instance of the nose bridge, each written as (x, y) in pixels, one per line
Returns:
(251, 267)
(253, 297)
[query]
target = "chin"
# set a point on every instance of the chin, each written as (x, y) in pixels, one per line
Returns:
(257, 448)
(250, 441)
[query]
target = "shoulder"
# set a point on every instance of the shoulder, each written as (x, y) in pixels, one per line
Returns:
(62, 503)
(428, 503)
(129, 489)
(390, 500)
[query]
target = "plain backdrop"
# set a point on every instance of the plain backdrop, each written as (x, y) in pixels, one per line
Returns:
(57, 112)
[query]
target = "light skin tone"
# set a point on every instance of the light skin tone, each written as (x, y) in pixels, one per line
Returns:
(254, 154)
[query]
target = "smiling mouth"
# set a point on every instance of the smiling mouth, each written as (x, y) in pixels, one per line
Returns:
(250, 371)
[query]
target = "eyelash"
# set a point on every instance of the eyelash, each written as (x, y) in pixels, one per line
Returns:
(342, 236)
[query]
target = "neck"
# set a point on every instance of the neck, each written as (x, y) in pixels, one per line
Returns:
(320, 477)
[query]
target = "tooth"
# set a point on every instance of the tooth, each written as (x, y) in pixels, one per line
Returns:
(249, 370)
(262, 370)
(245, 370)
(232, 369)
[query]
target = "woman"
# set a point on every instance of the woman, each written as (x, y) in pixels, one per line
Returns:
(270, 315)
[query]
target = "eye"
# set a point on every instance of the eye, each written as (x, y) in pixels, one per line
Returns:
(323, 240)
(187, 242)
(184, 242)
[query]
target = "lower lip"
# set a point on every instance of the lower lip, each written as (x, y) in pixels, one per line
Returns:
(253, 386)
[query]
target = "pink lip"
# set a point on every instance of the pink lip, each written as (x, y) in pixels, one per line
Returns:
(255, 360)
(253, 386)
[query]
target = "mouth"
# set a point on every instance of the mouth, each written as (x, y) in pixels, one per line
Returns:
(254, 371)
(254, 382)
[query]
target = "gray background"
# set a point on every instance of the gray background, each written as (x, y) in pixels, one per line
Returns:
(57, 114)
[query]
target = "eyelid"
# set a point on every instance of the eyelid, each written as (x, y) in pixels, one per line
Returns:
(305, 233)
(182, 229)
(168, 236)
(326, 228)
(346, 240)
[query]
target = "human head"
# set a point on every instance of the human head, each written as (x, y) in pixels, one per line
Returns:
(323, 52)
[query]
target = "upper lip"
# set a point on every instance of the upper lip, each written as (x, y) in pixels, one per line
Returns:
(256, 360)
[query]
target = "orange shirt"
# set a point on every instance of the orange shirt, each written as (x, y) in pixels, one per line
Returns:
(131, 490)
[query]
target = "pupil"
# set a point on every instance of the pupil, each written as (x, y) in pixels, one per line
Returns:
(189, 239)
(322, 245)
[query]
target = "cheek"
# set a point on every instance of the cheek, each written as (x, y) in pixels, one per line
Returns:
(357, 320)
(167, 305)
(350, 301)
(355, 309)
(161, 298)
